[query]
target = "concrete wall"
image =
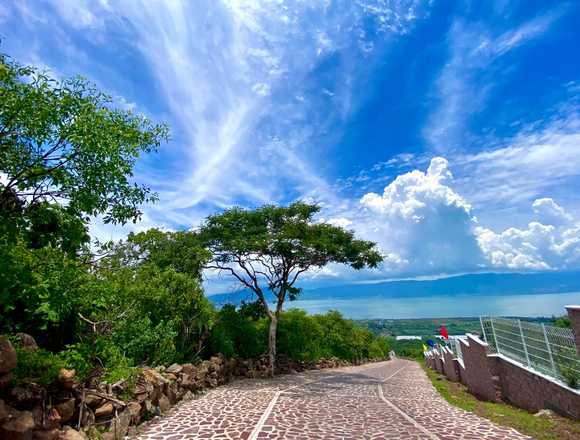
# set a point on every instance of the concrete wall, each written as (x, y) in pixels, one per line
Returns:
(451, 365)
(477, 374)
(495, 377)
(574, 315)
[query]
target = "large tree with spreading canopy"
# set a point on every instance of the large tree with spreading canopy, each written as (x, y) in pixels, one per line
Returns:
(267, 249)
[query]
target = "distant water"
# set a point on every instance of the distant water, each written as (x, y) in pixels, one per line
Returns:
(443, 306)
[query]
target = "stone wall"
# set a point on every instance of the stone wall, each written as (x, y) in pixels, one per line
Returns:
(70, 410)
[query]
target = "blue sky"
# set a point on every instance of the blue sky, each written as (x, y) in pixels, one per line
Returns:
(448, 132)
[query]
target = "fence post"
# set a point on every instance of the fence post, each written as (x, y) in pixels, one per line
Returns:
(524, 343)
(483, 330)
(494, 335)
(549, 349)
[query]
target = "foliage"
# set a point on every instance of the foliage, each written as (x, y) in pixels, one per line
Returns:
(40, 366)
(237, 334)
(562, 322)
(301, 337)
(268, 248)
(412, 349)
(62, 142)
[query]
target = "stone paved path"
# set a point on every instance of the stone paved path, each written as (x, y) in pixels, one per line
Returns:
(387, 400)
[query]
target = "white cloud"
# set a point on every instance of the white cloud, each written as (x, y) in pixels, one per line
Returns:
(552, 241)
(421, 223)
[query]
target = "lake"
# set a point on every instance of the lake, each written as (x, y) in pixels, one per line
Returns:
(442, 306)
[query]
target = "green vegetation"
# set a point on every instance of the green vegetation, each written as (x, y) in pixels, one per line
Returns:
(430, 326)
(67, 156)
(268, 248)
(549, 427)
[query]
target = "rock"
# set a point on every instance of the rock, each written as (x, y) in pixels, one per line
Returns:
(69, 433)
(147, 406)
(104, 410)
(5, 380)
(6, 411)
(88, 418)
(7, 356)
(52, 420)
(174, 369)
(67, 378)
(51, 434)
(163, 403)
(134, 409)
(172, 393)
(188, 369)
(119, 427)
(26, 341)
(154, 377)
(18, 428)
(66, 409)
(170, 376)
(188, 396)
(26, 395)
(92, 401)
(545, 413)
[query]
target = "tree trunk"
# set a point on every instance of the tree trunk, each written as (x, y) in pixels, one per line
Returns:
(272, 343)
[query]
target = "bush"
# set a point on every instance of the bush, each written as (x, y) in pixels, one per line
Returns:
(40, 366)
(300, 337)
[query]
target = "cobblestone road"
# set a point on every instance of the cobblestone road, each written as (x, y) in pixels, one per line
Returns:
(388, 400)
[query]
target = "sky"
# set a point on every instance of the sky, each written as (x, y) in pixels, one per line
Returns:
(447, 132)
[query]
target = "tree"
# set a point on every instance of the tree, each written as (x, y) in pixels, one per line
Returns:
(268, 248)
(62, 142)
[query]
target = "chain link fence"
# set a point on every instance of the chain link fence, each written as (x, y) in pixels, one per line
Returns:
(546, 349)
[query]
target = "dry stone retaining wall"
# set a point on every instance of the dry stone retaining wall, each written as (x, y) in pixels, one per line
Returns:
(70, 410)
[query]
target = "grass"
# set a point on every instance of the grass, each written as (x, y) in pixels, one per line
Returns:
(552, 427)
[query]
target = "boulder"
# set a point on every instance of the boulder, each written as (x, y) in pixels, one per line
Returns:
(18, 428)
(66, 409)
(69, 433)
(26, 341)
(106, 409)
(48, 421)
(7, 355)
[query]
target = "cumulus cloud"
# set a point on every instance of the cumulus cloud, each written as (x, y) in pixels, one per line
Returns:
(421, 223)
(550, 241)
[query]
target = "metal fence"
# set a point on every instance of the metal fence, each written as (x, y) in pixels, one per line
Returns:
(547, 349)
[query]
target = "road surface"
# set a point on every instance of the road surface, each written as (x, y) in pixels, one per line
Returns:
(386, 400)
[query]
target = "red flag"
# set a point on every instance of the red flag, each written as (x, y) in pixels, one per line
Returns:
(443, 332)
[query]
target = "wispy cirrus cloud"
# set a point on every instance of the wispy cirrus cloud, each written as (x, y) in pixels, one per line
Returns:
(469, 75)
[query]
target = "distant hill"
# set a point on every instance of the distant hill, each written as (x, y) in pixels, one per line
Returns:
(471, 284)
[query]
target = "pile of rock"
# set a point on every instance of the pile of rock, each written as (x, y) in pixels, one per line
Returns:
(70, 410)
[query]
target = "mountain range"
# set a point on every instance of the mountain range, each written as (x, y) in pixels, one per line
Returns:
(469, 284)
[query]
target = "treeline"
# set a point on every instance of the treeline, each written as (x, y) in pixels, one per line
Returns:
(140, 304)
